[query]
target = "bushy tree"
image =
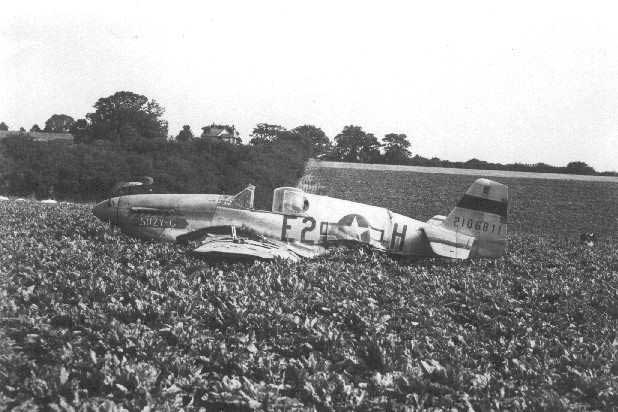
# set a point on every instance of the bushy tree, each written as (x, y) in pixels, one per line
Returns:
(580, 168)
(299, 143)
(127, 115)
(185, 134)
(354, 145)
(320, 143)
(265, 133)
(80, 129)
(475, 163)
(3, 126)
(396, 148)
(35, 128)
(58, 123)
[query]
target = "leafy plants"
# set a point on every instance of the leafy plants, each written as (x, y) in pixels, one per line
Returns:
(95, 319)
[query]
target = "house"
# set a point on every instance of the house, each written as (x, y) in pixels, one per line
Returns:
(221, 133)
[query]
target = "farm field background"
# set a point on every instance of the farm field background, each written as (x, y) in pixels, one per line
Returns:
(560, 208)
(91, 318)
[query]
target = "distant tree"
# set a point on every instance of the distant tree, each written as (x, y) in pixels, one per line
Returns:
(35, 128)
(396, 148)
(185, 134)
(126, 115)
(3, 126)
(580, 168)
(264, 133)
(300, 144)
(58, 123)
(320, 143)
(80, 129)
(22, 130)
(475, 163)
(348, 143)
(354, 145)
(370, 152)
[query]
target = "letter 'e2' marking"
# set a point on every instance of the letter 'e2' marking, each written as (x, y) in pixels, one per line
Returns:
(303, 232)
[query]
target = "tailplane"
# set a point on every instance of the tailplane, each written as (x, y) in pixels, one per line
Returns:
(482, 214)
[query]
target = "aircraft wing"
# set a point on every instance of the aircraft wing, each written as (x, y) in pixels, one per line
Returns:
(234, 248)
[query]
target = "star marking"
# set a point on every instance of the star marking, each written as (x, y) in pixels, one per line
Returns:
(356, 231)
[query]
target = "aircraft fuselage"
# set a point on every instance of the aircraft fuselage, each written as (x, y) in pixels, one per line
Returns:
(323, 221)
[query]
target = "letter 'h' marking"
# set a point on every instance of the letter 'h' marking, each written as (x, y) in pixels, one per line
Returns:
(401, 235)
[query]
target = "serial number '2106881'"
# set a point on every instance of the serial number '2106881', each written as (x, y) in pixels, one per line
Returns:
(478, 225)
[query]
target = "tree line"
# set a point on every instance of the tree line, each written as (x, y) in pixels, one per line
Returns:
(126, 137)
(135, 123)
(87, 172)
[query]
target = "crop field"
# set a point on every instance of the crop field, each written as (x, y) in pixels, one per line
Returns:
(560, 209)
(92, 319)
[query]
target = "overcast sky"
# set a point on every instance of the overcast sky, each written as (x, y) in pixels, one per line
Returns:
(506, 82)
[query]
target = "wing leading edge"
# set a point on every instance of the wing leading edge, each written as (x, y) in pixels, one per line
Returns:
(231, 247)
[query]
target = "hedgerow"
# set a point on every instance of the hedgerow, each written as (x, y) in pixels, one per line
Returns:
(87, 172)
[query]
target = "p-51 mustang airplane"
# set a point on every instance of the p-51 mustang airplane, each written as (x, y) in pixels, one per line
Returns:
(304, 225)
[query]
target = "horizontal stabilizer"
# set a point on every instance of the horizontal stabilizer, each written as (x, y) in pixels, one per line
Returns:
(437, 220)
(449, 251)
(448, 243)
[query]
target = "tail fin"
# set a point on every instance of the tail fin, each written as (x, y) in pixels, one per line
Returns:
(482, 213)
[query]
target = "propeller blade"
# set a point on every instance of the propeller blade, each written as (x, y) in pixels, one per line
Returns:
(140, 181)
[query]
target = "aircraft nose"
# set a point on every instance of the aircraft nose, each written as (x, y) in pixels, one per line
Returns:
(103, 210)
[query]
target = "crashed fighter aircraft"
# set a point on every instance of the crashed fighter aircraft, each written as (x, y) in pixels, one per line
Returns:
(304, 225)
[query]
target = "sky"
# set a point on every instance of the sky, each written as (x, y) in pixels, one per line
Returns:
(499, 81)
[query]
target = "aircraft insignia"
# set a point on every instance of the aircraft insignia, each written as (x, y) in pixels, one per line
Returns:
(356, 226)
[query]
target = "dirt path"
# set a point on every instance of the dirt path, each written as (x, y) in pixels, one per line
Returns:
(316, 164)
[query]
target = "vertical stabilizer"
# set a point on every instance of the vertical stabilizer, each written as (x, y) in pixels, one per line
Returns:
(482, 213)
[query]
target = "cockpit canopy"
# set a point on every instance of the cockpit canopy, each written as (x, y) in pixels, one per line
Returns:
(290, 201)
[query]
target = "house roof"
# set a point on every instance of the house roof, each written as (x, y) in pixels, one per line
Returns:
(221, 132)
(37, 136)
(216, 130)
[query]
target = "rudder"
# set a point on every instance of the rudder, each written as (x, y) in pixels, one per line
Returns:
(482, 213)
